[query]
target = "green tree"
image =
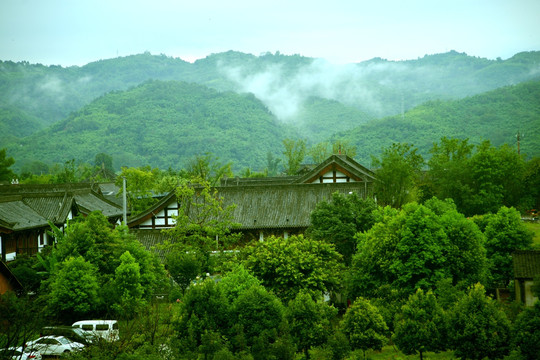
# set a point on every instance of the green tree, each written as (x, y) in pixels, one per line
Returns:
(104, 161)
(22, 317)
(420, 326)
(203, 224)
(405, 249)
(496, 179)
(259, 314)
(320, 152)
(36, 172)
(364, 326)
(183, 267)
(6, 174)
(73, 290)
(397, 171)
(127, 283)
(65, 174)
(272, 164)
(416, 247)
(466, 254)
(526, 333)
(478, 327)
(286, 266)
(95, 239)
(531, 182)
(309, 321)
(140, 183)
(295, 151)
(338, 221)
(204, 309)
(478, 182)
(448, 174)
(504, 233)
(237, 281)
(208, 169)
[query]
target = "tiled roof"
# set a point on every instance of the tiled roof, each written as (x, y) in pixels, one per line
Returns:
(284, 206)
(526, 264)
(30, 206)
(110, 192)
(20, 216)
(91, 201)
(266, 207)
(53, 208)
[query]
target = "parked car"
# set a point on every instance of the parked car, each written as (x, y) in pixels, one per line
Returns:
(106, 329)
(72, 333)
(19, 354)
(52, 345)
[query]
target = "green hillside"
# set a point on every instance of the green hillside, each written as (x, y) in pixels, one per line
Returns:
(162, 124)
(497, 116)
(320, 118)
(376, 88)
(16, 123)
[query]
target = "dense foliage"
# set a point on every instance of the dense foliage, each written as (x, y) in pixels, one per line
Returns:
(480, 179)
(287, 266)
(163, 124)
(388, 253)
(414, 277)
(498, 116)
(339, 220)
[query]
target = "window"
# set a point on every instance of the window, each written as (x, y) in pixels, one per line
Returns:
(102, 327)
(87, 327)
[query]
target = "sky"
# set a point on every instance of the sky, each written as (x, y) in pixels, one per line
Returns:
(76, 32)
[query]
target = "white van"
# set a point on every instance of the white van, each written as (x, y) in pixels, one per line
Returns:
(106, 329)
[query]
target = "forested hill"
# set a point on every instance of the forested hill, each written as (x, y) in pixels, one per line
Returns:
(162, 124)
(37, 95)
(497, 116)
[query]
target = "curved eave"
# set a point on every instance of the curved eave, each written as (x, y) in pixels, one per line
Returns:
(154, 210)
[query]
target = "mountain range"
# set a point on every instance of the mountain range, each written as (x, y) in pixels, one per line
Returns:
(157, 110)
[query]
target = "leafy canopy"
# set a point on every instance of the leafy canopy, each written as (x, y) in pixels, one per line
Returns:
(286, 266)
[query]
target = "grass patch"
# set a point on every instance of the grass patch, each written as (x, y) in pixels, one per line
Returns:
(391, 352)
(535, 228)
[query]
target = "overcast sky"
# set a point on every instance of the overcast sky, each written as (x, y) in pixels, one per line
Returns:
(76, 32)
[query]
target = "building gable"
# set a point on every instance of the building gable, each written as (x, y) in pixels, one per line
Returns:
(336, 169)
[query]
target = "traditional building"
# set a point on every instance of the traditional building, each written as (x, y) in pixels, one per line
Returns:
(26, 210)
(278, 206)
(526, 270)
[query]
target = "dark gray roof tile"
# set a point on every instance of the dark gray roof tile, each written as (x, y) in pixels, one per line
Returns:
(526, 264)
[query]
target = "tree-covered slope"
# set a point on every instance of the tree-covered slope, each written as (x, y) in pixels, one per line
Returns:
(16, 123)
(162, 124)
(497, 116)
(285, 84)
(320, 118)
(50, 93)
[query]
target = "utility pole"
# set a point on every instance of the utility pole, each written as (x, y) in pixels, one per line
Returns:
(124, 212)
